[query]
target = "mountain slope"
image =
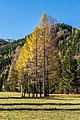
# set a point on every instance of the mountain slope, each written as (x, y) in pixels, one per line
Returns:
(66, 40)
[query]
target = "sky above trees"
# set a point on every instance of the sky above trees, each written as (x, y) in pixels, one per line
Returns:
(19, 17)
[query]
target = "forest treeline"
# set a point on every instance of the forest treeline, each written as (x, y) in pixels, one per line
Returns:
(47, 60)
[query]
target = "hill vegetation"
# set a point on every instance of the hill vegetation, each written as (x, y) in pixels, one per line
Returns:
(48, 58)
(7, 49)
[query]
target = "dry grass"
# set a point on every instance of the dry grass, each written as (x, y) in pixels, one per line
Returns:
(40, 115)
(39, 108)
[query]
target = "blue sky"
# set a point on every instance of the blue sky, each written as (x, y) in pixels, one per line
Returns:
(19, 17)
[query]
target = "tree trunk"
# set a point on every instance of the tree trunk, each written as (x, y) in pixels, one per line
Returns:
(40, 88)
(1, 81)
(22, 91)
(36, 78)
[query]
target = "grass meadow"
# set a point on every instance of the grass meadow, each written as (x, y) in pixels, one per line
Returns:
(54, 107)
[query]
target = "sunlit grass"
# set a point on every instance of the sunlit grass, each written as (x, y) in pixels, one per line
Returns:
(10, 94)
(54, 107)
(40, 115)
(41, 107)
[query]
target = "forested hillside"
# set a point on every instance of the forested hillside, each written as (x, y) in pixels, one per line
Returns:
(48, 57)
(3, 42)
(7, 49)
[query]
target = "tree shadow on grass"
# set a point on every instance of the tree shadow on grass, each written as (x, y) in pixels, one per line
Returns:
(37, 104)
(34, 109)
(45, 98)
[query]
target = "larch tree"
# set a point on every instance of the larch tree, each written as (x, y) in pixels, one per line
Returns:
(20, 67)
(11, 80)
(46, 25)
(36, 57)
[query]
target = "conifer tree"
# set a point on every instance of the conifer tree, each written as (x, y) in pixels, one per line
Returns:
(45, 25)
